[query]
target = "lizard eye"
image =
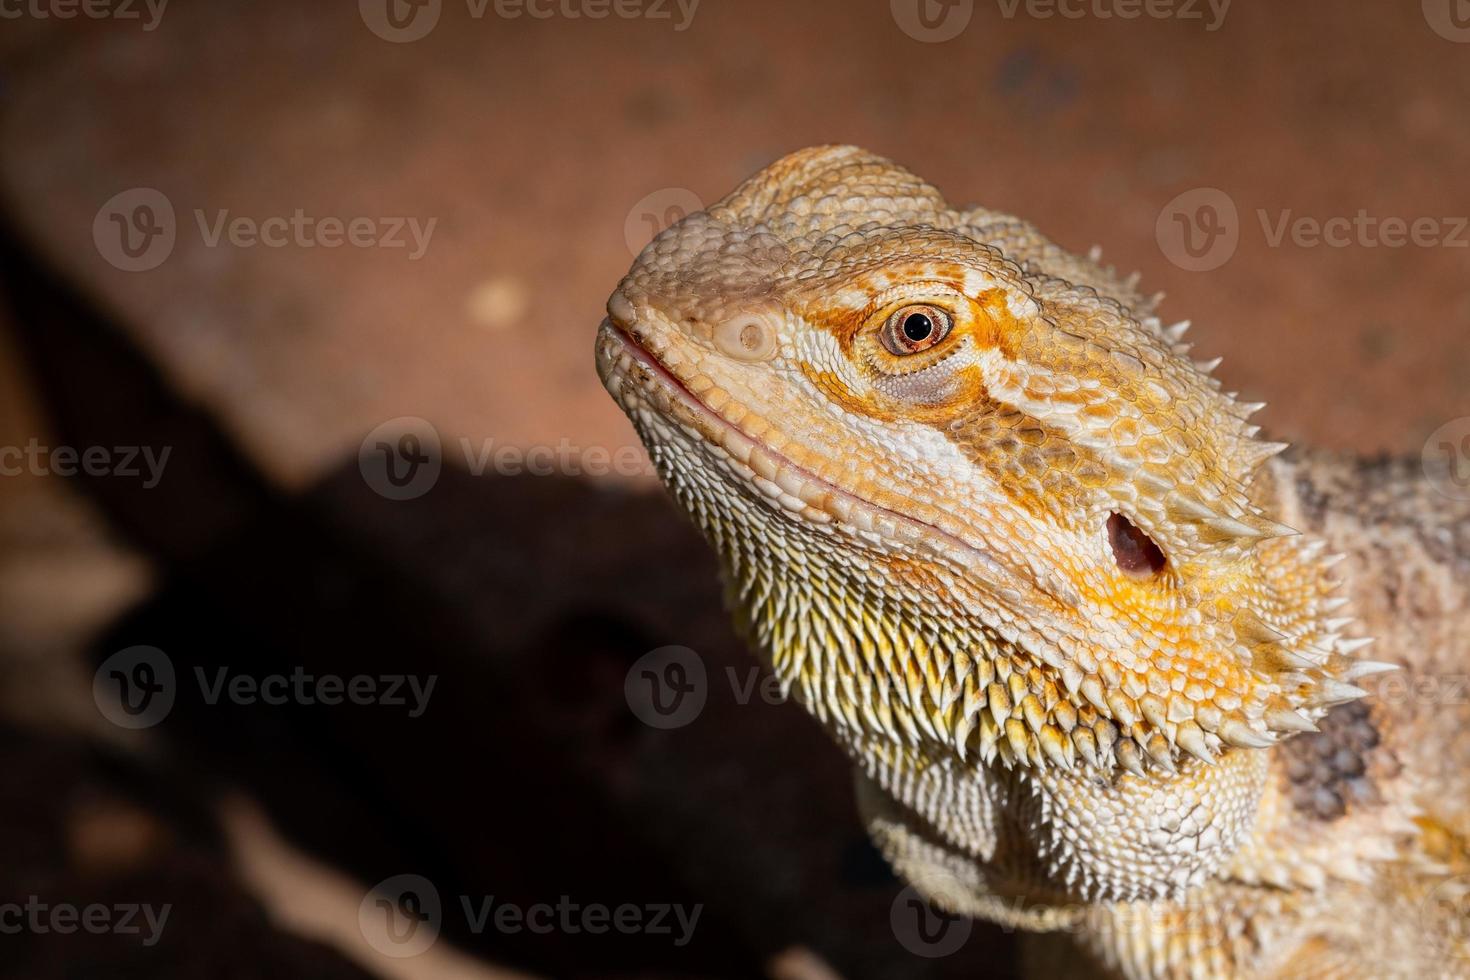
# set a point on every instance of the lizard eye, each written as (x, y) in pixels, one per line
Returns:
(1134, 551)
(915, 328)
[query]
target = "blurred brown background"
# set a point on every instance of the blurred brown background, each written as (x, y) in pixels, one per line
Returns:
(534, 146)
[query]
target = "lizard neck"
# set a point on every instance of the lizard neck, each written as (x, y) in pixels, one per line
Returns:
(894, 697)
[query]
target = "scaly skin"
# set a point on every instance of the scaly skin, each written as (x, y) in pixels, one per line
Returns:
(1054, 725)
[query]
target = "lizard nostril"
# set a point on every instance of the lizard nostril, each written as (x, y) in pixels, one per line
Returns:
(1133, 550)
(746, 338)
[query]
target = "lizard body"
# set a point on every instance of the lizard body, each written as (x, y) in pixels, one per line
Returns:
(1039, 577)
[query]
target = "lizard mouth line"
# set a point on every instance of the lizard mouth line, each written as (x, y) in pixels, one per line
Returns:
(775, 476)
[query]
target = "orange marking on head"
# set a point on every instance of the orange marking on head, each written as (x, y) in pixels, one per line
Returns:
(1006, 332)
(834, 388)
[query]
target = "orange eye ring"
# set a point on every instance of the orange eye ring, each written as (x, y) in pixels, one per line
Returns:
(911, 329)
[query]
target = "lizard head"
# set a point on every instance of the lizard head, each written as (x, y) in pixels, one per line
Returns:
(966, 488)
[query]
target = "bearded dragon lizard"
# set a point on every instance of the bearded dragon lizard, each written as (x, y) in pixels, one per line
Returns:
(1093, 646)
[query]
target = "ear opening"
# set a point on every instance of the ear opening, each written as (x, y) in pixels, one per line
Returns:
(1135, 552)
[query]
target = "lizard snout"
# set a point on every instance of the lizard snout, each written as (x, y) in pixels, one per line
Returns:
(620, 310)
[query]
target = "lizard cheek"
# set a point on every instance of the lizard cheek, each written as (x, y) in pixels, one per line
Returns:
(746, 337)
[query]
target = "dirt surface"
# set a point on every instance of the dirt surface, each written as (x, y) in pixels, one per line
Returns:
(534, 143)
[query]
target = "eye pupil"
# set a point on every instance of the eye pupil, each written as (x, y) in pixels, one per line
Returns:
(917, 327)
